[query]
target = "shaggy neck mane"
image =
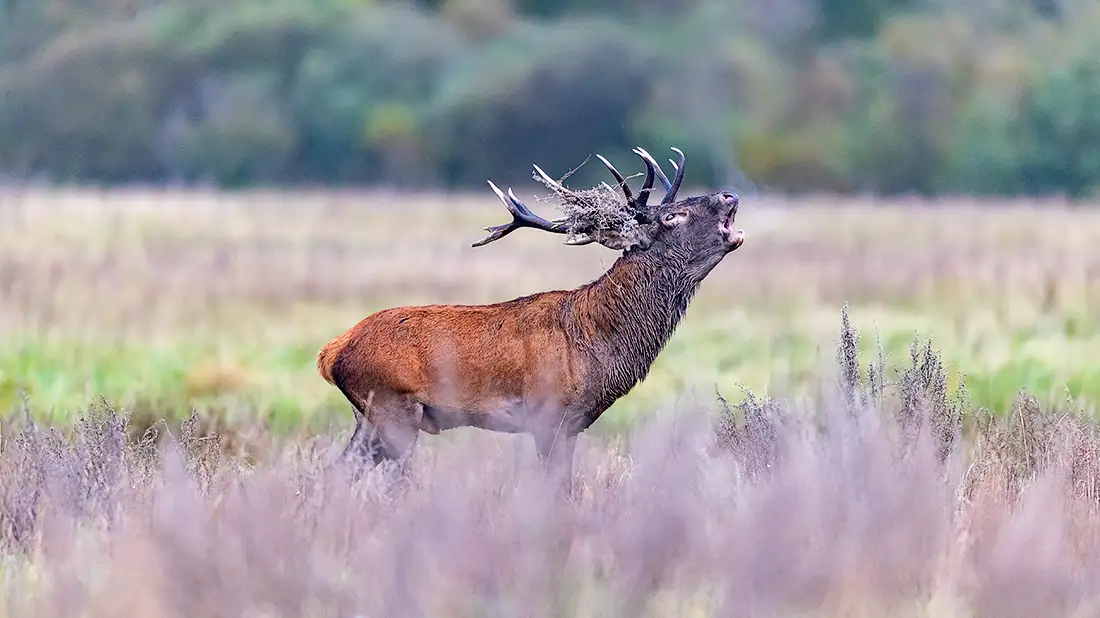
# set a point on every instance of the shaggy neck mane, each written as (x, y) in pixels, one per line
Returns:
(626, 317)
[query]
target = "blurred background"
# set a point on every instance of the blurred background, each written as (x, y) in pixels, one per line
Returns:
(198, 194)
(886, 96)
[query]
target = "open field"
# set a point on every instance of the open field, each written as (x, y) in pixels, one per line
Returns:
(839, 499)
(173, 301)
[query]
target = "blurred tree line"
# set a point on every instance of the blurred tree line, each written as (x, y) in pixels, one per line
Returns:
(884, 96)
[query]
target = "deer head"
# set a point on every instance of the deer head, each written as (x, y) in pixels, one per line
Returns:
(698, 230)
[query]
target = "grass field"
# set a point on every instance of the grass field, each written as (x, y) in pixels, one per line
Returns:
(870, 500)
(174, 301)
(852, 498)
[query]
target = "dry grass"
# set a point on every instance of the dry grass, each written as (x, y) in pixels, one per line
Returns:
(172, 254)
(868, 501)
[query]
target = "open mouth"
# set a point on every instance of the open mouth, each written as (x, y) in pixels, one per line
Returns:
(732, 236)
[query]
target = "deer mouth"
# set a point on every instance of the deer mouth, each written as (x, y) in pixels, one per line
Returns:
(734, 237)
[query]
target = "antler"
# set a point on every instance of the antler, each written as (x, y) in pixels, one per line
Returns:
(670, 193)
(560, 188)
(640, 204)
(670, 187)
(523, 217)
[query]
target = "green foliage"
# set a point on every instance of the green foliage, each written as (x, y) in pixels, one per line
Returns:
(844, 18)
(238, 143)
(885, 96)
(544, 89)
(1051, 144)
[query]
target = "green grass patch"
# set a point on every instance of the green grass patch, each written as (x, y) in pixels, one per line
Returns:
(263, 371)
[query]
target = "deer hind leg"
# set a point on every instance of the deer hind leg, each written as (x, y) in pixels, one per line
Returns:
(365, 443)
(385, 429)
(396, 441)
(396, 423)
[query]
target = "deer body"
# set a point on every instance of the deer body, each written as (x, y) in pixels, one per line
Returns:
(548, 364)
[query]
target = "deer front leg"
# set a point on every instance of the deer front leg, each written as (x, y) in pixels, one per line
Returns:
(556, 458)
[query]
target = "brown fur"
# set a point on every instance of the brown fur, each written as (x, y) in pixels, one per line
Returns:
(329, 352)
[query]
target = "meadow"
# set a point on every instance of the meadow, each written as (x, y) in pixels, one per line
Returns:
(172, 301)
(169, 444)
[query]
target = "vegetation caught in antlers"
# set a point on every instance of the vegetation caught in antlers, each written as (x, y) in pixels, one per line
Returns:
(589, 213)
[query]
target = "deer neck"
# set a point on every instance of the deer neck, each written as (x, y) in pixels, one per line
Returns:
(626, 317)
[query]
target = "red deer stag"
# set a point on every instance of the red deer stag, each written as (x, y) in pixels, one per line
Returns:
(548, 364)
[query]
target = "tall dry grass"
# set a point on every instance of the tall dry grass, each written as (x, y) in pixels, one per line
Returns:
(884, 495)
(185, 258)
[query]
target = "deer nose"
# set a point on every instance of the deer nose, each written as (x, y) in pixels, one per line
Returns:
(729, 199)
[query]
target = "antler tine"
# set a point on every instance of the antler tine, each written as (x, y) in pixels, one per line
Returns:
(583, 239)
(641, 152)
(670, 194)
(521, 217)
(618, 177)
(557, 186)
(641, 204)
(652, 170)
(641, 212)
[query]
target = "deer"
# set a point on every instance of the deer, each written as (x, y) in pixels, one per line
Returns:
(548, 364)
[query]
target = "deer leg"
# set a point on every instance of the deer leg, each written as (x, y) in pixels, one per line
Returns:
(396, 441)
(397, 429)
(365, 447)
(364, 443)
(556, 458)
(384, 433)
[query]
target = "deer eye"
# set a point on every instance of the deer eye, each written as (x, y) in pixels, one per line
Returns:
(673, 219)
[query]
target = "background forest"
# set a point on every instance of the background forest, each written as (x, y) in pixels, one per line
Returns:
(882, 96)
